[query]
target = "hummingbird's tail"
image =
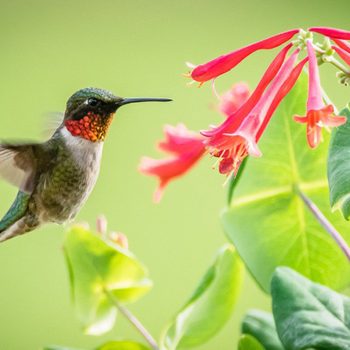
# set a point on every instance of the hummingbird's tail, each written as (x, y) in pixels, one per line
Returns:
(15, 222)
(18, 228)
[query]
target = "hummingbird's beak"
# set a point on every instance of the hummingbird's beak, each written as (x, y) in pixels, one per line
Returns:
(126, 101)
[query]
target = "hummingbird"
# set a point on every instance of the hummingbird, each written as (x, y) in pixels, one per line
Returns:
(56, 177)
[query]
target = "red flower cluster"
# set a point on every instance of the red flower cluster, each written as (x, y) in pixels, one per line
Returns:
(248, 116)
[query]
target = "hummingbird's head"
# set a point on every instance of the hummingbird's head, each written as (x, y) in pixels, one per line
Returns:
(90, 111)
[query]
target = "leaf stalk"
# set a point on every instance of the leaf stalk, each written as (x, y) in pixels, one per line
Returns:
(319, 216)
(133, 320)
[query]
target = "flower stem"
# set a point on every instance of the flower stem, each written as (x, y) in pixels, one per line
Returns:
(325, 223)
(338, 64)
(133, 320)
(331, 59)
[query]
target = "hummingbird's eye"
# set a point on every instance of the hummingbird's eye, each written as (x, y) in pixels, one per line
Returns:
(93, 102)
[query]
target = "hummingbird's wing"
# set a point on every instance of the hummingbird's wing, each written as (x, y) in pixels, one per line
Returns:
(52, 121)
(18, 164)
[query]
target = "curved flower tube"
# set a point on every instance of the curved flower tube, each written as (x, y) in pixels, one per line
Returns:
(283, 91)
(342, 44)
(333, 33)
(225, 63)
(345, 55)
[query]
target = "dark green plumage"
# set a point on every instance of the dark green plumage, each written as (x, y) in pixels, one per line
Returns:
(16, 211)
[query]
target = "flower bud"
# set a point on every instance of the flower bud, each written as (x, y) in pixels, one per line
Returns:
(101, 224)
(120, 239)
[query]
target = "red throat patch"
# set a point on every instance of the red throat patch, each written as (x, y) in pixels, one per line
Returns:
(92, 127)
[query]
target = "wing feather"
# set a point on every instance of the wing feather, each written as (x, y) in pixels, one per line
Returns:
(18, 165)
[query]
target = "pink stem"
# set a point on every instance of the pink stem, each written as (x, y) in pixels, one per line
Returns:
(325, 223)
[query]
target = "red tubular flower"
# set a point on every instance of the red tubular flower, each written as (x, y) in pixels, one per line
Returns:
(232, 142)
(235, 119)
(234, 98)
(342, 44)
(223, 64)
(286, 87)
(333, 33)
(318, 115)
(187, 148)
(345, 55)
(258, 118)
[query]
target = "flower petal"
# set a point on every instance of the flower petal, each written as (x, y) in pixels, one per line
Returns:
(224, 63)
(343, 44)
(187, 148)
(313, 135)
(179, 139)
(334, 121)
(300, 119)
(342, 53)
(329, 119)
(333, 33)
(316, 119)
(253, 149)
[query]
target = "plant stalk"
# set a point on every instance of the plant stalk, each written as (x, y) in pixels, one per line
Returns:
(134, 321)
(325, 223)
(339, 65)
(332, 60)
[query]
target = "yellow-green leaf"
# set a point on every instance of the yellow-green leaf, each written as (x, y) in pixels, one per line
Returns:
(123, 345)
(211, 304)
(248, 342)
(98, 265)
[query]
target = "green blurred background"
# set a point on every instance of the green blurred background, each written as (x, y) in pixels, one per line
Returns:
(49, 49)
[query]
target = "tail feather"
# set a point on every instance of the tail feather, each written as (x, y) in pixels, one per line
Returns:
(18, 228)
(14, 222)
(16, 211)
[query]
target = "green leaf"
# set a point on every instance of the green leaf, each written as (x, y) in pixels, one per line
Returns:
(211, 304)
(123, 345)
(268, 222)
(58, 347)
(97, 265)
(247, 342)
(339, 167)
(309, 315)
(261, 326)
(235, 180)
(112, 345)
